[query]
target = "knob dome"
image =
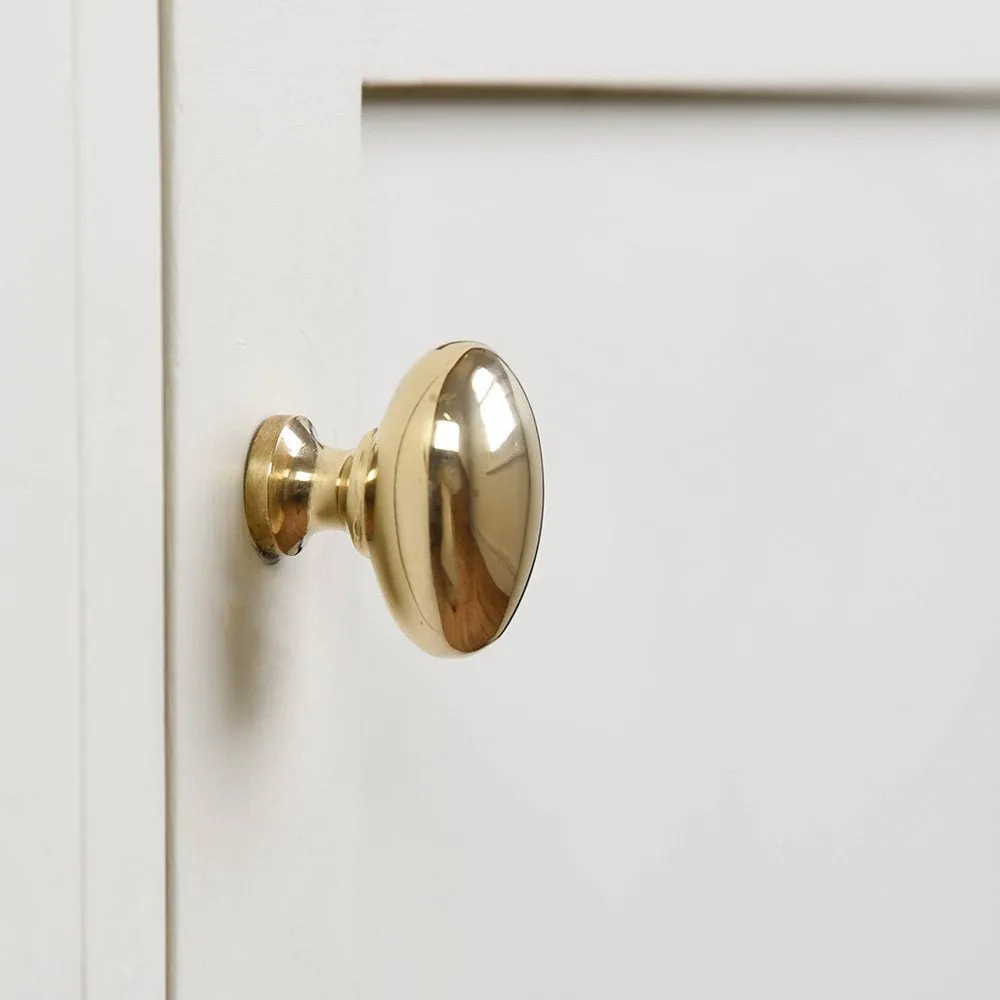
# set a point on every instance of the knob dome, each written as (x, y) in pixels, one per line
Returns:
(459, 461)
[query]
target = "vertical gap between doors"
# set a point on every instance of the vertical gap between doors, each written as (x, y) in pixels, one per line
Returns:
(165, 15)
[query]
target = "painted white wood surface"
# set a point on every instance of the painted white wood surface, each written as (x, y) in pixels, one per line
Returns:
(40, 683)
(120, 379)
(727, 43)
(81, 596)
(262, 106)
(741, 738)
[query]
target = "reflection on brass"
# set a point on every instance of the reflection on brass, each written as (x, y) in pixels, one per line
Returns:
(445, 496)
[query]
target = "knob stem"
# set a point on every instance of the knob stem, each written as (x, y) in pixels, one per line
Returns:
(294, 487)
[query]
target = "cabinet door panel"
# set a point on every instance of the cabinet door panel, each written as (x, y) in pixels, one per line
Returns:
(741, 736)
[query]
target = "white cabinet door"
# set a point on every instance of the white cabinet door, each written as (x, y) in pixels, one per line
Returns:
(82, 899)
(739, 738)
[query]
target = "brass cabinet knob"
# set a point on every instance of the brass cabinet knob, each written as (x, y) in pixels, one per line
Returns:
(445, 496)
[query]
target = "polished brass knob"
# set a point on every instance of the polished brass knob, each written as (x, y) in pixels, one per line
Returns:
(445, 496)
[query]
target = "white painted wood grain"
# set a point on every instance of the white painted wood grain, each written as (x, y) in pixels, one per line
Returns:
(726, 43)
(741, 738)
(262, 119)
(121, 481)
(81, 711)
(40, 681)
